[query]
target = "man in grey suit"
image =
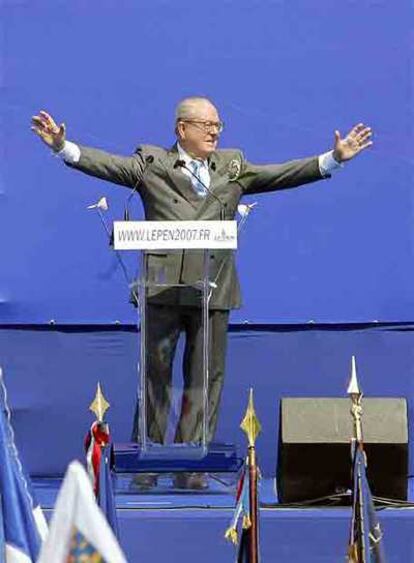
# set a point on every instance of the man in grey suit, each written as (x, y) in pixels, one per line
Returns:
(193, 181)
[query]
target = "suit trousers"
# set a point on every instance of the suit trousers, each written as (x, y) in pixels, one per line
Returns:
(165, 323)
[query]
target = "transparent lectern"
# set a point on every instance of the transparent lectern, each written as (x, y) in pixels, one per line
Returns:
(181, 263)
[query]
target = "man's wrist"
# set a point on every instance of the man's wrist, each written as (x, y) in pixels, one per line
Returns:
(336, 157)
(70, 152)
(328, 163)
(57, 148)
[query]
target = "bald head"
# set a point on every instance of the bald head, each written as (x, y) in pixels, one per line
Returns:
(190, 108)
(197, 126)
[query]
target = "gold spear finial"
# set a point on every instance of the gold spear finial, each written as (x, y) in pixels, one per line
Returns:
(355, 393)
(99, 405)
(250, 423)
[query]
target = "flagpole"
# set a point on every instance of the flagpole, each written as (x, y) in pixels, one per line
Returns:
(357, 444)
(251, 426)
(365, 543)
(253, 472)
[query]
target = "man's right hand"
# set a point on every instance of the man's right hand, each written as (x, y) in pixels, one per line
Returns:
(52, 135)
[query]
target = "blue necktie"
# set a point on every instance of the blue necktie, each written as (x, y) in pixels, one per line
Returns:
(195, 167)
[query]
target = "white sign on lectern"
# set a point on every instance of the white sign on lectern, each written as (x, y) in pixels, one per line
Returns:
(170, 235)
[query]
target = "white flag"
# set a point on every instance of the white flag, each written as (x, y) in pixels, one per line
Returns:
(78, 527)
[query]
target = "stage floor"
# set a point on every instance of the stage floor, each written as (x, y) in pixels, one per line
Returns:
(184, 527)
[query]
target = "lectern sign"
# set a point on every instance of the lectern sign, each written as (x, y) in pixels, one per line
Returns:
(169, 235)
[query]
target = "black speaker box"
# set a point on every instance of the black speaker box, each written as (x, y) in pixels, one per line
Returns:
(314, 458)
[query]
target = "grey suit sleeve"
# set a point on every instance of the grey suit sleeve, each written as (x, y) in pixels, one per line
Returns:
(123, 170)
(256, 179)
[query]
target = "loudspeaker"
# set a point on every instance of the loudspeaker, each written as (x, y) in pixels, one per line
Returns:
(314, 457)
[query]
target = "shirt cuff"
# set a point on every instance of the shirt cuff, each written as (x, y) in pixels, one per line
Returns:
(70, 153)
(327, 163)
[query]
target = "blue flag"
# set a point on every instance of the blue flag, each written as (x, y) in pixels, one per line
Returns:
(2, 543)
(23, 524)
(366, 545)
(106, 499)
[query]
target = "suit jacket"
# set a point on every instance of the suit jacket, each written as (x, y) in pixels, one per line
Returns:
(168, 195)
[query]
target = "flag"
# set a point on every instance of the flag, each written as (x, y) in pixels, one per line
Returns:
(365, 544)
(2, 542)
(243, 553)
(79, 530)
(106, 498)
(98, 460)
(22, 521)
(242, 518)
(97, 438)
(246, 498)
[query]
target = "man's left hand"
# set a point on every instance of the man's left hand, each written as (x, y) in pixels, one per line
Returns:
(357, 140)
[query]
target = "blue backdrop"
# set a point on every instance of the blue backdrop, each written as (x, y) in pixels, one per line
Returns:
(285, 74)
(51, 376)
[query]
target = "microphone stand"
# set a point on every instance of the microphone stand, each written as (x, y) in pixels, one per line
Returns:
(134, 190)
(119, 258)
(246, 212)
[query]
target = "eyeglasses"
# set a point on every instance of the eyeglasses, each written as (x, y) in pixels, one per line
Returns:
(206, 126)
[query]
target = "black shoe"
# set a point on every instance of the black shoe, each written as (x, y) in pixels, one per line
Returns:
(191, 481)
(144, 481)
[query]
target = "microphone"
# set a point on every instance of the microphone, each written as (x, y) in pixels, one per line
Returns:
(182, 164)
(149, 159)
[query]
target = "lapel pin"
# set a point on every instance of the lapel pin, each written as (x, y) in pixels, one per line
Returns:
(234, 169)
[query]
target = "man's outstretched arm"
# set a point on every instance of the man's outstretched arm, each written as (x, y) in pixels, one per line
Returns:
(266, 178)
(126, 171)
